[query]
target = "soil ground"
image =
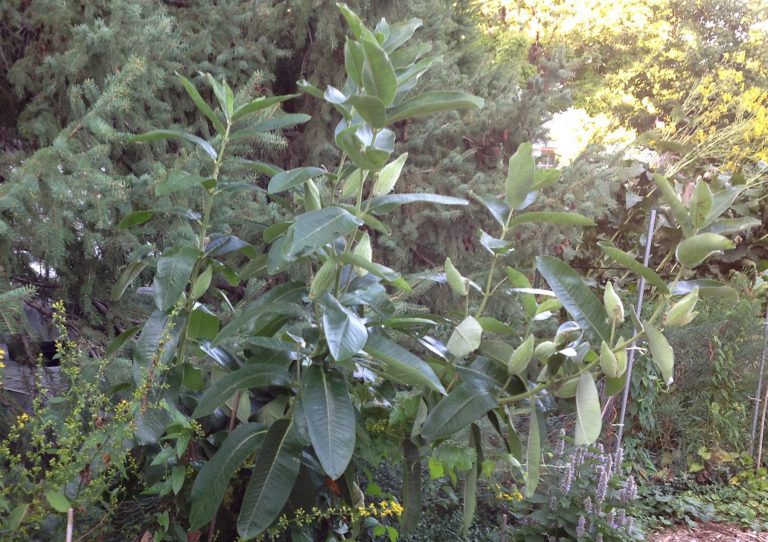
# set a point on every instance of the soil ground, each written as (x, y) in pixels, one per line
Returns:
(708, 532)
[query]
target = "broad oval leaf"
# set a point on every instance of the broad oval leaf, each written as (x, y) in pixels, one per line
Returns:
(250, 376)
(331, 418)
(378, 74)
(662, 353)
(583, 306)
(58, 501)
(315, 229)
(292, 178)
(694, 250)
(136, 218)
(400, 365)
(212, 481)
(589, 420)
(467, 403)
(174, 268)
(548, 217)
(354, 57)
(433, 102)
(274, 473)
(622, 258)
(371, 109)
(388, 176)
(520, 175)
(700, 204)
(345, 333)
(465, 338)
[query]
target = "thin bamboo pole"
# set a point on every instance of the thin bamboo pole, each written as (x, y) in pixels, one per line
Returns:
(631, 357)
(759, 390)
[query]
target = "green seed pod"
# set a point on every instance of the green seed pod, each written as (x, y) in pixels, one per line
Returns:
(613, 305)
(521, 357)
(543, 350)
(682, 313)
(457, 283)
(324, 279)
(311, 196)
(608, 361)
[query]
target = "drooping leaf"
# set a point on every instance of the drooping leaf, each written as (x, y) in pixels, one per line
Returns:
(201, 104)
(384, 204)
(129, 275)
(118, 342)
(465, 337)
(274, 473)
(520, 176)
(465, 404)
(315, 229)
(155, 135)
(248, 377)
(174, 268)
(374, 268)
(563, 219)
(694, 250)
(345, 333)
(330, 418)
(706, 287)
(622, 258)
(292, 178)
(662, 353)
(589, 420)
(583, 306)
(532, 453)
(457, 283)
(495, 246)
(258, 104)
(519, 280)
(498, 209)
(212, 481)
(400, 365)
(433, 102)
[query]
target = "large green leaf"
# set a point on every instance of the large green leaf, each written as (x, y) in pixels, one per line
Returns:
(622, 258)
(589, 420)
(213, 479)
(378, 74)
(583, 306)
(155, 135)
(251, 376)
(384, 204)
(465, 338)
(694, 250)
(201, 104)
(700, 204)
(519, 280)
(345, 333)
(274, 473)
(563, 219)
(293, 178)
(400, 365)
(532, 452)
(174, 268)
(258, 104)
(722, 201)
(661, 351)
(315, 229)
(354, 58)
(330, 418)
(706, 287)
(434, 102)
(520, 176)
(370, 108)
(136, 218)
(401, 32)
(467, 403)
(278, 299)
